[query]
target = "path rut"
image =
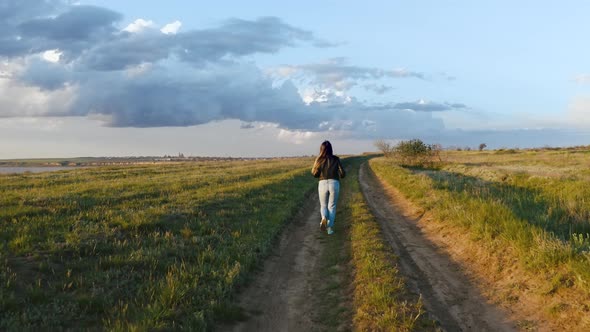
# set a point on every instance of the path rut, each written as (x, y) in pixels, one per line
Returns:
(281, 297)
(449, 296)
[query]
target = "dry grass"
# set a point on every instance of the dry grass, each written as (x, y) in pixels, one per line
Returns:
(526, 215)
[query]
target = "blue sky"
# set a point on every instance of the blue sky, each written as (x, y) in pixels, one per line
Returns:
(267, 78)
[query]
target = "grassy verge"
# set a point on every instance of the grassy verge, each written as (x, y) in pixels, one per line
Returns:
(139, 247)
(334, 310)
(508, 210)
(381, 301)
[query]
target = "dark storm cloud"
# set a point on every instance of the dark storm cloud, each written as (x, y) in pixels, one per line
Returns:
(36, 26)
(180, 96)
(80, 23)
(126, 50)
(235, 38)
(13, 13)
(31, 26)
(238, 38)
(46, 76)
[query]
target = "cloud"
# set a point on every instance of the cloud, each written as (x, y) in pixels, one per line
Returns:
(427, 106)
(141, 77)
(15, 12)
(78, 23)
(33, 26)
(91, 32)
(139, 25)
(336, 74)
(237, 38)
(172, 94)
(52, 55)
(171, 28)
(125, 51)
(296, 137)
(21, 100)
(378, 88)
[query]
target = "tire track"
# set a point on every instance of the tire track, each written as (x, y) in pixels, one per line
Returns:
(281, 297)
(448, 294)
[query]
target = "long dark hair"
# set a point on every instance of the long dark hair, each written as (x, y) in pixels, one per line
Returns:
(325, 151)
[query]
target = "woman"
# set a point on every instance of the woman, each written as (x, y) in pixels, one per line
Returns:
(329, 170)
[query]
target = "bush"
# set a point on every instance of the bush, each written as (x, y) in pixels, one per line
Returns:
(417, 153)
(385, 147)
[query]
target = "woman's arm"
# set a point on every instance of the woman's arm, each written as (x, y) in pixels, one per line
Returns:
(341, 171)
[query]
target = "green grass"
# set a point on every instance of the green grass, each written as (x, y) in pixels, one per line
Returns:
(381, 300)
(544, 217)
(138, 247)
(333, 312)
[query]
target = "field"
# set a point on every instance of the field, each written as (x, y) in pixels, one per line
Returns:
(138, 247)
(169, 246)
(532, 206)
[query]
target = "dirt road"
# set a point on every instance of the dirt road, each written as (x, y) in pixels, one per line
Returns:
(448, 295)
(282, 297)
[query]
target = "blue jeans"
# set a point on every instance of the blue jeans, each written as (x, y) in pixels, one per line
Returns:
(328, 190)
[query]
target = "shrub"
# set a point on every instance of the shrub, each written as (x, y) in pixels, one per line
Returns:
(417, 153)
(385, 147)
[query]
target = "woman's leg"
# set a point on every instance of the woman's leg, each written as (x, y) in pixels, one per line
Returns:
(324, 193)
(334, 190)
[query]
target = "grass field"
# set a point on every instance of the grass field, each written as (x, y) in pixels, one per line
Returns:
(138, 247)
(150, 247)
(535, 202)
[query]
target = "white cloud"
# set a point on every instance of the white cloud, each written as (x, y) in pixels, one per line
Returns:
(296, 137)
(312, 95)
(171, 28)
(139, 25)
(12, 68)
(52, 55)
(20, 100)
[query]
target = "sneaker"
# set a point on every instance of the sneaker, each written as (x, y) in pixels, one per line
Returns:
(323, 224)
(330, 231)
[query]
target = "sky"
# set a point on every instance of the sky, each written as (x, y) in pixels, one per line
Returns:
(276, 78)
